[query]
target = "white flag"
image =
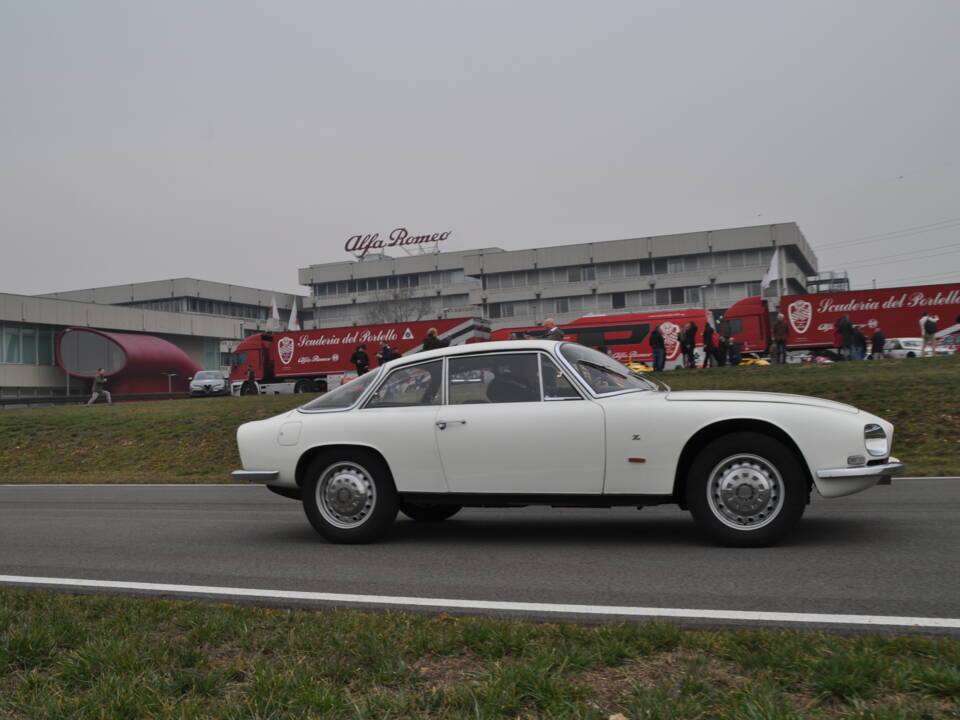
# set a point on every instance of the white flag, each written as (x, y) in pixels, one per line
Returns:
(773, 272)
(273, 322)
(294, 323)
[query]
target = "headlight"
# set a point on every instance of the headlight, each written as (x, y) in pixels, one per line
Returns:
(875, 440)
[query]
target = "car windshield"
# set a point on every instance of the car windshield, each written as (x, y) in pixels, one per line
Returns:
(343, 396)
(209, 375)
(601, 372)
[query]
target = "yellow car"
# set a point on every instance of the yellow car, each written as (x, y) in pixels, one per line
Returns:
(753, 361)
(637, 366)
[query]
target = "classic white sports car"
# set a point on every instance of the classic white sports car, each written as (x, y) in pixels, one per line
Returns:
(555, 423)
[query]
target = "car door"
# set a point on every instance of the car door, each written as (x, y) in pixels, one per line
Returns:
(398, 420)
(514, 424)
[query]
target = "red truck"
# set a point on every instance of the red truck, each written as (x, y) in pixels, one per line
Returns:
(298, 361)
(810, 319)
(896, 311)
(626, 337)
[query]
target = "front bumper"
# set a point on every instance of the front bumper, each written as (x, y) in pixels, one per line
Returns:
(882, 474)
(264, 477)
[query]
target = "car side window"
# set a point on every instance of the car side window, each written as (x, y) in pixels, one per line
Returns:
(494, 378)
(410, 386)
(555, 383)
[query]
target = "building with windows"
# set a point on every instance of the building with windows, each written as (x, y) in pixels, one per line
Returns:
(712, 269)
(251, 306)
(29, 327)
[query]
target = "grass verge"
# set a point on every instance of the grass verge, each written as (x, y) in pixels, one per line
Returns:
(105, 657)
(194, 440)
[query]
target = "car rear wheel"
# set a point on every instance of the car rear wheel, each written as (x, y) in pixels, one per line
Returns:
(746, 490)
(349, 497)
(428, 512)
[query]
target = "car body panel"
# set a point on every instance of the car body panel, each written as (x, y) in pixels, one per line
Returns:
(621, 444)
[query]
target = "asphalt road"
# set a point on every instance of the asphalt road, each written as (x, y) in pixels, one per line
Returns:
(890, 551)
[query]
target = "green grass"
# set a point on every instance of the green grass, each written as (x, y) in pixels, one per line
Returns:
(100, 657)
(194, 440)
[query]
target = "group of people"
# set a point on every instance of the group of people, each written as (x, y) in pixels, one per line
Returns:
(361, 360)
(718, 349)
(852, 343)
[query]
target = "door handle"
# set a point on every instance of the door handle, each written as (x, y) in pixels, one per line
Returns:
(442, 424)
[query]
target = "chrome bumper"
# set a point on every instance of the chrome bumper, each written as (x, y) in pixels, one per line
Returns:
(256, 476)
(882, 472)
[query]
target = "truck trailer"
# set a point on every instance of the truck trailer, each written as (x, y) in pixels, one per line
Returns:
(305, 361)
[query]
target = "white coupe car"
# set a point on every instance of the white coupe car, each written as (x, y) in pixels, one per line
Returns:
(510, 424)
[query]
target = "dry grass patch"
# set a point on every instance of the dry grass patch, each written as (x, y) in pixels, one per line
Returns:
(610, 685)
(447, 672)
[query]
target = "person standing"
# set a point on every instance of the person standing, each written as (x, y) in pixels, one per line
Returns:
(659, 349)
(859, 343)
(845, 330)
(360, 359)
(721, 351)
(98, 389)
(928, 327)
(780, 334)
(709, 355)
(432, 342)
(386, 353)
(689, 345)
(876, 344)
(552, 331)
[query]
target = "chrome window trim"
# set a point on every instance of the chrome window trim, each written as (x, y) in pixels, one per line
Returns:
(527, 351)
(583, 383)
(563, 371)
(405, 366)
(358, 401)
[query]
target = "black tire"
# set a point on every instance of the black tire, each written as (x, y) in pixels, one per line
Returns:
(248, 388)
(349, 496)
(424, 512)
(300, 387)
(746, 490)
(911, 354)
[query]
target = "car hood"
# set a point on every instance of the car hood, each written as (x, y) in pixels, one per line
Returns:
(747, 396)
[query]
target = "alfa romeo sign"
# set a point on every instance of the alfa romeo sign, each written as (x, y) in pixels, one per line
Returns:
(360, 245)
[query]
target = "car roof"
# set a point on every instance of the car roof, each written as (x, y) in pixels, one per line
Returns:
(473, 348)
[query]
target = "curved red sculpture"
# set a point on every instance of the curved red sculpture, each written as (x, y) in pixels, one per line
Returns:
(134, 363)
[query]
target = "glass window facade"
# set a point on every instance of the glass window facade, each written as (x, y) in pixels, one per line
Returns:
(22, 344)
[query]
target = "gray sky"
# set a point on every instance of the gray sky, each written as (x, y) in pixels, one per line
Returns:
(237, 141)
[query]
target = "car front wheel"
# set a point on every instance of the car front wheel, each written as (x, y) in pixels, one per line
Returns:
(349, 497)
(746, 490)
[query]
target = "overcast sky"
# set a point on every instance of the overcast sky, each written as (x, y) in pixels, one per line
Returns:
(238, 141)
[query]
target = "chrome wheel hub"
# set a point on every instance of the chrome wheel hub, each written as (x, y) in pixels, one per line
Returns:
(745, 492)
(346, 495)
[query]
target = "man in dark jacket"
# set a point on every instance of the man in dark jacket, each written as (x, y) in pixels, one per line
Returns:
(709, 356)
(360, 359)
(845, 330)
(386, 354)
(876, 344)
(658, 347)
(432, 342)
(689, 345)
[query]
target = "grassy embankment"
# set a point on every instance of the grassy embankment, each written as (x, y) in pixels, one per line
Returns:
(67, 656)
(194, 440)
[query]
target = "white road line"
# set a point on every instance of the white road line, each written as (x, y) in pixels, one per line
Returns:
(515, 607)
